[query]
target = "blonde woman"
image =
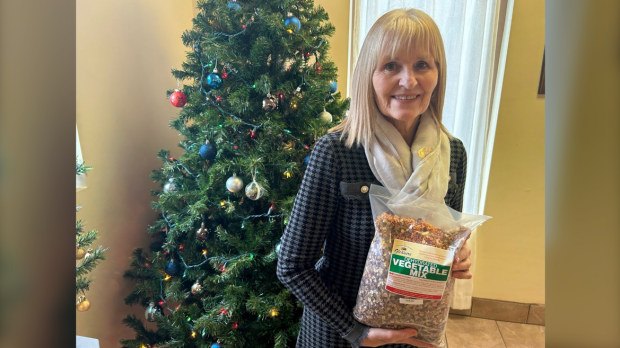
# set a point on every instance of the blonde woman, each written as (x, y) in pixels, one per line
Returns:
(392, 137)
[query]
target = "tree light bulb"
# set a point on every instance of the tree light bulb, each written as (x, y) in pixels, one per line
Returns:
(204, 252)
(167, 277)
(193, 334)
(223, 203)
(274, 312)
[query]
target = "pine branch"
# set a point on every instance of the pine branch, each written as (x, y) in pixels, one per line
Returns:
(90, 262)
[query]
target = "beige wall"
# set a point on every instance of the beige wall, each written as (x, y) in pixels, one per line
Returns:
(511, 246)
(125, 50)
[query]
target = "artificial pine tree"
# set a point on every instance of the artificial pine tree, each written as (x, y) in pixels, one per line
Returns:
(257, 92)
(86, 258)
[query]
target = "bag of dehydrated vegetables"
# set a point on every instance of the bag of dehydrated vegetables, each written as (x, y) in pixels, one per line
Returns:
(407, 280)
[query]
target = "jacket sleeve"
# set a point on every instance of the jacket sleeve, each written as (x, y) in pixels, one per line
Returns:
(313, 213)
(461, 173)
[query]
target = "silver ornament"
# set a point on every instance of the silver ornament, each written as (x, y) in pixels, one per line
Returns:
(325, 116)
(234, 184)
(254, 190)
(269, 103)
(202, 232)
(152, 311)
(196, 288)
(170, 186)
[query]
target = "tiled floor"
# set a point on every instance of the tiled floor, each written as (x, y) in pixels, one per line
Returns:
(469, 332)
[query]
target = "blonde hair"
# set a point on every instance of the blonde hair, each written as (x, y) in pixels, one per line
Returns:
(400, 28)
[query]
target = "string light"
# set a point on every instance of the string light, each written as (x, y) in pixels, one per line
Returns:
(160, 303)
(287, 174)
(204, 252)
(223, 204)
(167, 277)
(274, 312)
(193, 334)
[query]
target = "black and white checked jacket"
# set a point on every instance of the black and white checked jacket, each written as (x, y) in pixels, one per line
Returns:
(332, 211)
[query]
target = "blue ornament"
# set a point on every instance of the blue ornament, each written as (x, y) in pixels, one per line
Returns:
(233, 5)
(214, 80)
(333, 87)
(173, 269)
(208, 151)
(292, 21)
(216, 345)
(307, 160)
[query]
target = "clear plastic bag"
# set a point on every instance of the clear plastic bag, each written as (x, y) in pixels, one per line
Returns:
(407, 281)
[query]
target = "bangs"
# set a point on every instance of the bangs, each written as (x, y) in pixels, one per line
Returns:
(397, 36)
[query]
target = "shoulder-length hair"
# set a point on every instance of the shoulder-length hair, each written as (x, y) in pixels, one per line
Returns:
(401, 28)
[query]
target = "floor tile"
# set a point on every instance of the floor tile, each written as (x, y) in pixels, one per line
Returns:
(468, 332)
(499, 310)
(522, 335)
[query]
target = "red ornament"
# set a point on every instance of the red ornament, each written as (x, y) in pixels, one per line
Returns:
(235, 325)
(160, 303)
(319, 68)
(178, 99)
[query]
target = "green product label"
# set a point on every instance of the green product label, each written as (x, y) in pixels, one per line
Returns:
(418, 268)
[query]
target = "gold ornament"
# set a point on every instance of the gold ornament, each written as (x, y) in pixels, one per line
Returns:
(325, 116)
(80, 253)
(82, 304)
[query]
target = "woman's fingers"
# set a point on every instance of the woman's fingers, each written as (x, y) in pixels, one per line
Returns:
(462, 274)
(462, 266)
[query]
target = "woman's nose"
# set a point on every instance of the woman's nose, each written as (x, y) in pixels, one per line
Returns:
(408, 79)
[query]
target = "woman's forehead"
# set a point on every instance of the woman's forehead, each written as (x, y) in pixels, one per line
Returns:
(402, 53)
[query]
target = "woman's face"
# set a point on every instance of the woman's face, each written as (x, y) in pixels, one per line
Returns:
(403, 85)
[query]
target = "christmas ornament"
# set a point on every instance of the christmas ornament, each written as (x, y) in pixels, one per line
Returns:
(325, 116)
(278, 246)
(160, 303)
(82, 304)
(87, 253)
(234, 5)
(172, 268)
(234, 183)
(307, 160)
(216, 345)
(292, 23)
(254, 190)
(234, 326)
(79, 252)
(196, 288)
(208, 151)
(177, 98)
(214, 80)
(202, 232)
(333, 87)
(152, 311)
(170, 186)
(270, 103)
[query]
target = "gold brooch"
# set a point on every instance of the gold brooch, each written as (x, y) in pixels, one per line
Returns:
(422, 152)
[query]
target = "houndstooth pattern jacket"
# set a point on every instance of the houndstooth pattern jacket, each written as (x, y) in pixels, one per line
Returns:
(332, 211)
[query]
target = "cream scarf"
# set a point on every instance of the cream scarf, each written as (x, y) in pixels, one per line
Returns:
(421, 170)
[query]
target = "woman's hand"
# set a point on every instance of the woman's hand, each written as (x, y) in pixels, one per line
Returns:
(461, 263)
(378, 337)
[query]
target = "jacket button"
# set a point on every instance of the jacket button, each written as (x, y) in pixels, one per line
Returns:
(364, 189)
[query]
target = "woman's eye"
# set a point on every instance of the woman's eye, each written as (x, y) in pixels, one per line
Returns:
(422, 65)
(390, 66)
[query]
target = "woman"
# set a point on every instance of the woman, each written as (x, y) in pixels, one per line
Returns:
(392, 137)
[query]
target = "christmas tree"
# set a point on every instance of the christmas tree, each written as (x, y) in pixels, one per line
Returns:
(255, 93)
(86, 258)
